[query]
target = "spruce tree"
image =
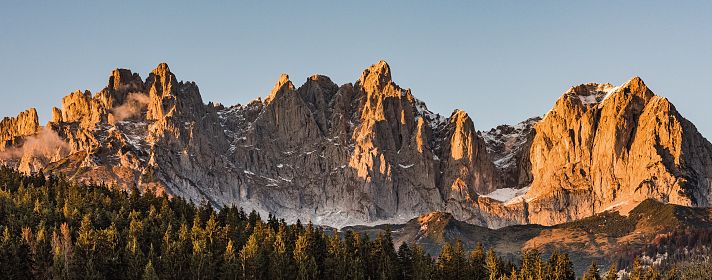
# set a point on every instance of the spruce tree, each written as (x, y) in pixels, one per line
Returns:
(280, 262)
(563, 268)
(405, 262)
(451, 263)
(62, 248)
(383, 258)
(478, 270)
(135, 259)
(251, 259)
(354, 250)
(651, 274)
(531, 267)
(612, 273)
(636, 272)
(304, 260)
(592, 272)
(444, 265)
(422, 264)
(86, 249)
(460, 262)
(492, 264)
(149, 273)
(336, 265)
(230, 268)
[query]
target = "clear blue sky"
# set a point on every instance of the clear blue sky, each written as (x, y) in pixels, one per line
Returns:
(500, 62)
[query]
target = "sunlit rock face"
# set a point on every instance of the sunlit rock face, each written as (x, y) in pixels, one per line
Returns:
(367, 152)
(604, 147)
(12, 129)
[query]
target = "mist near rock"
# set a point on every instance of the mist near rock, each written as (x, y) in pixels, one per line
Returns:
(45, 144)
(135, 103)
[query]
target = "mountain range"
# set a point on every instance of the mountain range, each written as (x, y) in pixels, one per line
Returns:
(369, 152)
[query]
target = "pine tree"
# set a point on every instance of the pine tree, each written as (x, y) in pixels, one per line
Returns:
(651, 274)
(354, 250)
(86, 249)
(306, 264)
(251, 259)
(109, 251)
(612, 273)
(451, 263)
(531, 265)
(592, 272)
(14, 257)
(514, 276)
(383, 258)
(477, 263)
(201, 259)
(563, 268)
(135, 259)
(422, 264)
(149, 273)
(636, 272)
(42, 254)
(62, 248)
(405, 262)
(280, 261)
(230, 269)
(492, 264)
(335, 266)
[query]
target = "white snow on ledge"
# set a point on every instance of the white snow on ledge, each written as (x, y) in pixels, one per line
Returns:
(405, 166)
(508, 195)
(616, 206)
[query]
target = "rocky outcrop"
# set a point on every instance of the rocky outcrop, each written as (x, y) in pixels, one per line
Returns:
(13, 129)
(602, 147)
(368, 152)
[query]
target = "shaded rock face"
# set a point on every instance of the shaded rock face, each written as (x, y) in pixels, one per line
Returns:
(367, 152)
(509, 147)
(603, 146)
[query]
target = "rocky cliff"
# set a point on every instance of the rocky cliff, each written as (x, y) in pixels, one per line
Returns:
(13, 129)
(604, 147)
(368, 152)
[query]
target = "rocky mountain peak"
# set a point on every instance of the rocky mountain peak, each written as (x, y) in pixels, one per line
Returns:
(591, 93)
(24, 124)
(627, 149)
(76, 105)
(168, 97)
(160, 80)
(637, 87)
(460, 118)
(56, 115)
(161, 70)
(283, 85)
(376, 77)
(122, 78)
(322, 81)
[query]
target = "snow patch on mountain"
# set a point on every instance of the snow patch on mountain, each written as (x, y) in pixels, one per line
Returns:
(435, 120)
(506, 141)
(508, 195)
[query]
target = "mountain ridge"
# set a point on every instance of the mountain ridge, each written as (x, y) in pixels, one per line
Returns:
(366, 152)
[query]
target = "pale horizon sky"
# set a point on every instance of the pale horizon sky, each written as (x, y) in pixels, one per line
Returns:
(501, 62)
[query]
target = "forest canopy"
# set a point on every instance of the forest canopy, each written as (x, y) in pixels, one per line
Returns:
(51, 228)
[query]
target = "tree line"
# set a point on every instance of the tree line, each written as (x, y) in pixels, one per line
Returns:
(51, 228)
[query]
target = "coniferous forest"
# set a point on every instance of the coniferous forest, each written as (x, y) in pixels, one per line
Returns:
(53, 229)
